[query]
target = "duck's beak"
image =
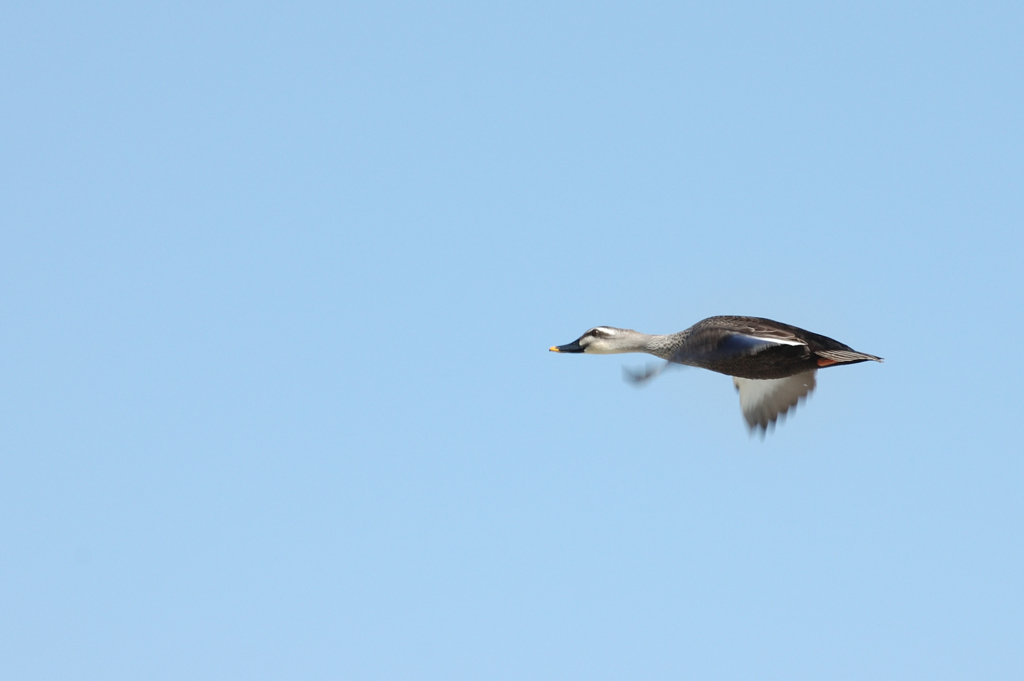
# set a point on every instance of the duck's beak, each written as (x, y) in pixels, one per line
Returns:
(571, 347)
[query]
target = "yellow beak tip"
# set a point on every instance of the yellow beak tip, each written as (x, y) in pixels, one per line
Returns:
(553, 349)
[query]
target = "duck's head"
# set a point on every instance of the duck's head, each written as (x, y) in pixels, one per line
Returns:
(602, 340)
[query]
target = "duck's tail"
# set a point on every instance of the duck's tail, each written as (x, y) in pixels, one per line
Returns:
(827, 358)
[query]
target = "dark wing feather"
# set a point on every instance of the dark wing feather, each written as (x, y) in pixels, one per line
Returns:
(715, 340)
(758, 327)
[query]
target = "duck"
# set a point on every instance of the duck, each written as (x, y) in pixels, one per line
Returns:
(773, 365)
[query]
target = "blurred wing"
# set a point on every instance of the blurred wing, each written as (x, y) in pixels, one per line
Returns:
(642, 376)
(763, 401)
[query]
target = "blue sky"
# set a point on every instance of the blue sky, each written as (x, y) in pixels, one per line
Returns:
(279, 283)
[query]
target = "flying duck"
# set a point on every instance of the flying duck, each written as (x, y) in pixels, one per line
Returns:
(772, 364)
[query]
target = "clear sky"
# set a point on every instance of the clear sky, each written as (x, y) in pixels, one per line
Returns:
(277, 285)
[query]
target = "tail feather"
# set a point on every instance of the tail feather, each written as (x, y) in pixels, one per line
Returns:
(846, 356)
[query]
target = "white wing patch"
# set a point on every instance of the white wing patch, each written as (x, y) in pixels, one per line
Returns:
(763, 401)
(776, 341)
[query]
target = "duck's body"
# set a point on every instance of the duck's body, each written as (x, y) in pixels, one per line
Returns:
(773, 364)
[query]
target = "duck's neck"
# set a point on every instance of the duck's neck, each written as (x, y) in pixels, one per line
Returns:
(634, 341)
(660, 346)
